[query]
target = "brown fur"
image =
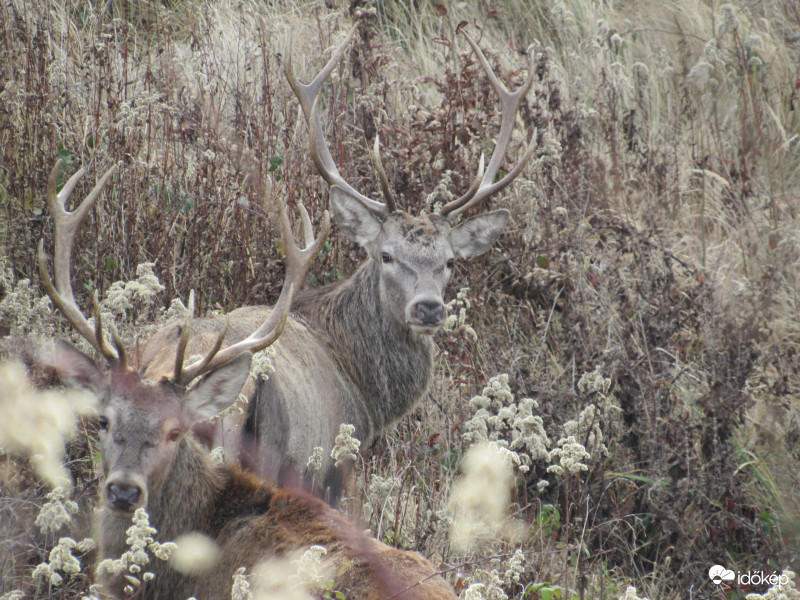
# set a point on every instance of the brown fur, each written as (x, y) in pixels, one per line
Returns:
(249, 519)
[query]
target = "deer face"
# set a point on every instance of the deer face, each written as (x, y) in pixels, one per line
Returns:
(143, 423)
(415, 255)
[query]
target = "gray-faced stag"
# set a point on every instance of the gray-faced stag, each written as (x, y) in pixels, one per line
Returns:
(152, 459)
(360, 351)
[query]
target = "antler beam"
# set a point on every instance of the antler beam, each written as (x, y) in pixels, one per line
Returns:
(298, 261)
(66, 226)
(484, 185)
(320, 153)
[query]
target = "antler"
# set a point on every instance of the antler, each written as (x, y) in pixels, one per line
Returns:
(320, 154)
(66, 226)
(297, 264)
(484, 185)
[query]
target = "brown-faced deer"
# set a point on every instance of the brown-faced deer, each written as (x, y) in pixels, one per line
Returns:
(152, 459)
(360, 351)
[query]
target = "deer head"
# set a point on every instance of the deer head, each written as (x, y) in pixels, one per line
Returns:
(143, 421)
(415, 255)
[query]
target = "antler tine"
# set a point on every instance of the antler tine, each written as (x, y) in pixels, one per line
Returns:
(484, 185)
(186, 333)
(308, 96)
(66, 226)
(298, 262)
(385, 187)
(122, 355)
(308, 228)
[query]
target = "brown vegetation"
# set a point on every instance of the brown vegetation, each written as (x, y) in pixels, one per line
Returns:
(653, 235)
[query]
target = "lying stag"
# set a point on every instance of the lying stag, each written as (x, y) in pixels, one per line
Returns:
(360, 351)
(152, 459)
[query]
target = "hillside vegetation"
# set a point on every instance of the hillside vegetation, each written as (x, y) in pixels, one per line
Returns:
(643, 300)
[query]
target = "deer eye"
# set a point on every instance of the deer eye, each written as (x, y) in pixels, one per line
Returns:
(173, 434)
(386, 257)
(450, 263)
(104, 423)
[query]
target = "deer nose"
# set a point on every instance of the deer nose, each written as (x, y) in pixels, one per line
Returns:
(429, 313)
(123, 496)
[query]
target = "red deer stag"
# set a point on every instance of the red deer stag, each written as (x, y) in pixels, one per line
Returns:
(360, 351)
(152, 459)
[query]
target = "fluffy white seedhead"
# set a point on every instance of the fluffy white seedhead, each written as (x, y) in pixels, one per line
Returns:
(480, 498)
(39, 423)
(195, 553)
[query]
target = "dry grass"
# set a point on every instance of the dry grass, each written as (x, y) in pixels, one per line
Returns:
(655, 235)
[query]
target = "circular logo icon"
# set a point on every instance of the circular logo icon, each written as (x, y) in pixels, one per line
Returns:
(718, 574)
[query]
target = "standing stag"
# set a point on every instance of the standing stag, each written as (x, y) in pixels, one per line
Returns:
(360, 351)
(152, 459)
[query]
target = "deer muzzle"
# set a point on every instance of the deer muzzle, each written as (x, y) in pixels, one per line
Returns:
(124, 494)
(427, 315)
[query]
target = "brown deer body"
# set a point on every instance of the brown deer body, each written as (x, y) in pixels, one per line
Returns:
(148, 446)
(360, 351)
(151, 458)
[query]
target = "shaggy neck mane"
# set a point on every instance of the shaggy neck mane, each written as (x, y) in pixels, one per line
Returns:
(200, 495)
(390, 364)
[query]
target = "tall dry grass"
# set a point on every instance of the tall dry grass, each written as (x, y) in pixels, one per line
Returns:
(654, 242)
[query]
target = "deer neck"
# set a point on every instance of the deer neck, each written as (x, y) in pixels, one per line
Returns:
(389, 363)
(184, 501)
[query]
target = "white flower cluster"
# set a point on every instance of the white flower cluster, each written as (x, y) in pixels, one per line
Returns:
(194, 553)
(24, 309)
(515, 568)
(381, 500)
(121, 296)
(483, 585)
(240, 590)
(498, 418)
(262, 366)
(630, 594)
(568, 457)
(442, 193)
(780, 591)
(140, 541)
(457, 315)
(587, 426)
(310, 569)
(217, 454)
(55, 513)
(345, 446)
(131, 308)
(61, 560)
(177, 311)
(314, 462)
(594, 381)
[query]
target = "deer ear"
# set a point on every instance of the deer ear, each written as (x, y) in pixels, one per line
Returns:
(357, 222)
(220, 388)
(74, 368)
(476, 235)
